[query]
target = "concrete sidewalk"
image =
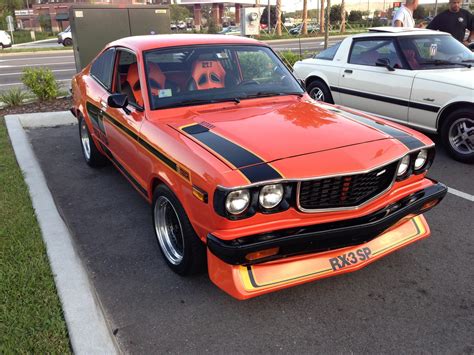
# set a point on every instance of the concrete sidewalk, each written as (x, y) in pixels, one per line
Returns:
(87, 327)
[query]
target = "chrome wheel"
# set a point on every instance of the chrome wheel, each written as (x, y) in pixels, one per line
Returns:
(461, 135)
(317, 94)
(168, 230)
(85, 140)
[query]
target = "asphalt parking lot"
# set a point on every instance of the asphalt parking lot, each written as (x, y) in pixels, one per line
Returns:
(419, 299)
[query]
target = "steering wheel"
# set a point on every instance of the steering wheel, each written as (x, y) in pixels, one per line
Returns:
(248, 82)
(455, 58)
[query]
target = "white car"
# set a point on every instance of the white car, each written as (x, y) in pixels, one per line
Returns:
(416, 77)
(5, 40)
(65, 37)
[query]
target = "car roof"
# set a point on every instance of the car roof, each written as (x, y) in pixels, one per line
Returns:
(396, 32)
(143, 43)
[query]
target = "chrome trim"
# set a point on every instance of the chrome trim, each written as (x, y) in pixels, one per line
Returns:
(282, 181)
(345, 208)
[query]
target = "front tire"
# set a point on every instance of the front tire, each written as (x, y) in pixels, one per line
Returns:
(179, 244)
(319, 91)
(457, 135)
(67, 42)
(92, 155)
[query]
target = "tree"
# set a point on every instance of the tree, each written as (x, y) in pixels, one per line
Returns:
(335, 14)
(355, 16)
(343, 16)
(419, 13)
(179, 13)
(278, 16)
(211, 26)
(321, 17)
(305, 17)
(273, 16)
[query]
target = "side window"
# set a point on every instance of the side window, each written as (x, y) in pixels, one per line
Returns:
(255, 65)
(102, 68)
(127, 80)
(368, 52)
(329, 53)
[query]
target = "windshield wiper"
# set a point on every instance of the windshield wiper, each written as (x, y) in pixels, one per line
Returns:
(271, 93)
(191, 102)
(445, 62)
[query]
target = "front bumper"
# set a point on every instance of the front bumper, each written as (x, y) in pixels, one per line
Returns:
(327, 236)
(319, 251)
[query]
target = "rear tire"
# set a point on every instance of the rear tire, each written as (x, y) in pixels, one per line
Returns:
(457, 135)
(319, 91)
(92, 155)
(179, 244)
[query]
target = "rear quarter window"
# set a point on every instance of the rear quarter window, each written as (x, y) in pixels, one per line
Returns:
(329, 53)
(102, 68)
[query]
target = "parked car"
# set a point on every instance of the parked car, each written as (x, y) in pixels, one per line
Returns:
(65, 37)
(243, 170)
(416, 77)
(297, 29)
(5, 40)
(231, 30)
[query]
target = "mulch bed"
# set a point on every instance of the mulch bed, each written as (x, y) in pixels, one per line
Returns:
(63, 104)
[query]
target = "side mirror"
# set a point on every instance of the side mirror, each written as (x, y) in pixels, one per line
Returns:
(118, 101)
(384, 62)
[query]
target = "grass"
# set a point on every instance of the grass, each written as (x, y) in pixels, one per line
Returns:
(27, 50)
(22, 36)
(31, 318)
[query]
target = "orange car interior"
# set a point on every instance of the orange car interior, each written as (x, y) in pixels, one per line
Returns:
(207, 74)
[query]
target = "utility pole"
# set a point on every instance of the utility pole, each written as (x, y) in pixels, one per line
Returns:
(304, 29)
(278, 13)
(269, 26)
(326, 25)
(436, 7)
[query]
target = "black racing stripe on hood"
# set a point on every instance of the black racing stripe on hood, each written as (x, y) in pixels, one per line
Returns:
(254, 168)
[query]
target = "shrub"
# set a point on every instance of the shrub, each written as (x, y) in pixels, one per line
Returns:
(13, 97)
(289, 58)
(41, 82)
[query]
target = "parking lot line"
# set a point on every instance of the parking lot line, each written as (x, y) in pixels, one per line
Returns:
(461, 194)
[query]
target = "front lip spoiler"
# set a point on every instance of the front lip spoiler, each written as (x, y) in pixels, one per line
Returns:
(326, 236)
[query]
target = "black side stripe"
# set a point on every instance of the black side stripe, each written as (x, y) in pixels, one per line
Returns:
(124, 171)
(390, 100)
(409, 141)
(254, 168)
(143, 143)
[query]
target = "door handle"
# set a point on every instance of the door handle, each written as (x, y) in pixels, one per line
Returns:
(103, 104)
(348, 71)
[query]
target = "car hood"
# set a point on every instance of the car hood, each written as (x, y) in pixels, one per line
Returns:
(275, 131)
(456, 76)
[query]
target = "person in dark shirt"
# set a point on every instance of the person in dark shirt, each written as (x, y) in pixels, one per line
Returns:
(454, 21)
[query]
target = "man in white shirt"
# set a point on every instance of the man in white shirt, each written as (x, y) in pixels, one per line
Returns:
(404, 15)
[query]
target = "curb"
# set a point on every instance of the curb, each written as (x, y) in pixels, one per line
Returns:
(86, 323)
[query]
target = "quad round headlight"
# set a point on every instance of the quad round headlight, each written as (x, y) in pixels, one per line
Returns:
(421, 159)
(237, 201)
(404, 165)
(271, 195)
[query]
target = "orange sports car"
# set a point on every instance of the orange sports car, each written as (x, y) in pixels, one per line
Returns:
(245, 173)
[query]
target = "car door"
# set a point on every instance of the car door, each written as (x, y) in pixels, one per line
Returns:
(99, 84)
(365, 86)
(123, 126)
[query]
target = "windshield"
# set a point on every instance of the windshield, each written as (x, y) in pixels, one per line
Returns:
(202, 74)
(434, 52)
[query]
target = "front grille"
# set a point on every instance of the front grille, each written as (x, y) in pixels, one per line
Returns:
(345, 191)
